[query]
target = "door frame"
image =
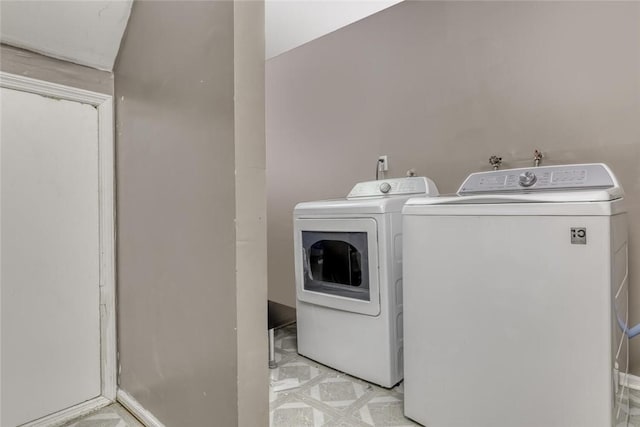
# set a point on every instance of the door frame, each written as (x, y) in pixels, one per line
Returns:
(106, 200)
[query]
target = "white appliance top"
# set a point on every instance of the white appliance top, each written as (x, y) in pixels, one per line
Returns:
(593, 182)
(595, 176)
(388, 195)
(394, 187)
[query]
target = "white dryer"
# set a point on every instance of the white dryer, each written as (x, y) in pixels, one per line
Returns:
(348, 272)
(516, 301)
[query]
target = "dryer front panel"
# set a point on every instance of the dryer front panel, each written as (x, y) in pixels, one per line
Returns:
(337, 263)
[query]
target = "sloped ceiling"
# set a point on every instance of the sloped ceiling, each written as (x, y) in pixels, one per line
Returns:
(89, 32)
(86, 32)
(291, 23)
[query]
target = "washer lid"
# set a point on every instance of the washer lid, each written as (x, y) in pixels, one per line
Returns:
(545, 179)
(587, 189)
(533, 197)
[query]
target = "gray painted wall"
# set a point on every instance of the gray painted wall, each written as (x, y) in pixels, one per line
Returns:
(251, 214)
(29, 64)
(178, 247)
(441, 86)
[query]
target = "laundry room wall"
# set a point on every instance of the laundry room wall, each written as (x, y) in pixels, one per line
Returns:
(191, 212)
(441, 86)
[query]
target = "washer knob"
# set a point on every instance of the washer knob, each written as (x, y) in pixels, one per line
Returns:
(527, 179)
(385, 187)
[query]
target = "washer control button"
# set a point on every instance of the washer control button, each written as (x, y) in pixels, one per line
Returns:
(527, 179)
(385, 187)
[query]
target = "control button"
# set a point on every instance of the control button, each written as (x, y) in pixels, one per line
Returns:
(385, 187)
(527, 179)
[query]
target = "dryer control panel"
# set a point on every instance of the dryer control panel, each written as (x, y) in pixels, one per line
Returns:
(394, 187)
(544, 178)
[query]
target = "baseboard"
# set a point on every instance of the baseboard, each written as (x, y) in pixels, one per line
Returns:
(137, 410)
(630, 381)
(69, 414)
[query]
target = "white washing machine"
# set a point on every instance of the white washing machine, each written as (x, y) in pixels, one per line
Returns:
(348, 271)
(516, 301)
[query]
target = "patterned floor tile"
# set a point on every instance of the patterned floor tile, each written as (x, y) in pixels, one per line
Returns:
(297, 414)
(332, 399)
(113, 415)
(298, 368)
(384, 410)
(338, 391)
(339, 423)
(342, 400)
(286, 340)
(634, 416)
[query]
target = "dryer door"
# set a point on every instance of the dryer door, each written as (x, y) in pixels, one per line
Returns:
(336, 263)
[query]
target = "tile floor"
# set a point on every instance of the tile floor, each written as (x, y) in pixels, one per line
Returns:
(330, 398)
(110, 416)
(323, 397)
(326, 397)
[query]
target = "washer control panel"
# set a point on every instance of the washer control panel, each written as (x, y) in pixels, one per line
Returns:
(393, 187)
(543, 178)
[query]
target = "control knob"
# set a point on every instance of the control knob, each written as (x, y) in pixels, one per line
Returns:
(527, 179)
(385, 187)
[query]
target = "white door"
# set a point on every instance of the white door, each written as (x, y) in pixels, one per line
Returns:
(50, 256)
